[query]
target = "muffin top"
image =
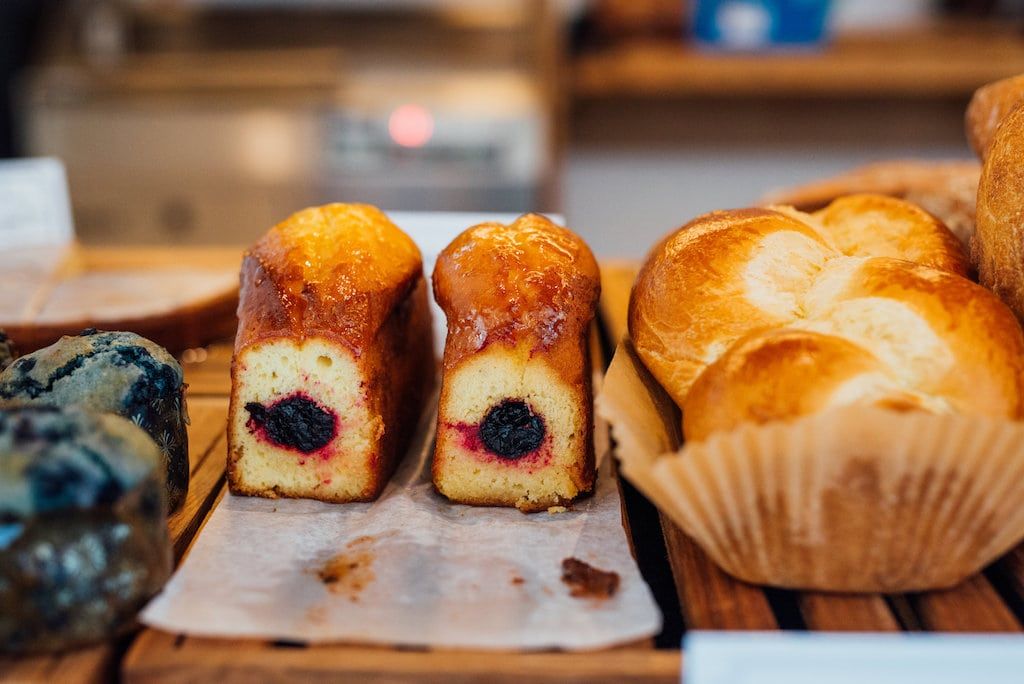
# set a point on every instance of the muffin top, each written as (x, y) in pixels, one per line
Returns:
(54, 460)
(110, 372)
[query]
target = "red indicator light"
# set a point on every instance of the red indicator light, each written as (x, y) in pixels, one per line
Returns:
(411, 125)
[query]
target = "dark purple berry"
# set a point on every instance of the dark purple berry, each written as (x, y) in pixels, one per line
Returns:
(295, 422)
(511, 430)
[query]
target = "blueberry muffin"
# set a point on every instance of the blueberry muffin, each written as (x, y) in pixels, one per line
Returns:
(83, 529)
(7, 353)
(111, 372)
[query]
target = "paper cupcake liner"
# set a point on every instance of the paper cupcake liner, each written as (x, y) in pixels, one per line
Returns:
(852, 499)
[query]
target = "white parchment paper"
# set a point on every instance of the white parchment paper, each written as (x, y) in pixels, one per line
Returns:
(415, 570)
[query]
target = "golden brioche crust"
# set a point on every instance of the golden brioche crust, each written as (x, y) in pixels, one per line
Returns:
(682, 309)
(694, 297)
(877, 225)
(532, 287)
(756, 314)
(998, 247)
(945, 189)
(883, 332)
(987, 108)
(780, 374)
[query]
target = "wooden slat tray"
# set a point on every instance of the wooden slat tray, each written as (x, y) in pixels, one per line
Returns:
(159, 656)
(692, 592)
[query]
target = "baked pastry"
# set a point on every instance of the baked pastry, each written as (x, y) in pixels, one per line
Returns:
(333, 357)
(111, 372)
(759, 315)
(988, 107)
(998, 247)
(946, 189)
(83, 529)
(704, 265)
(515, 418)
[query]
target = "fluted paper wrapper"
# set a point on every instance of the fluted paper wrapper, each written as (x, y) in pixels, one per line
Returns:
(856, 499)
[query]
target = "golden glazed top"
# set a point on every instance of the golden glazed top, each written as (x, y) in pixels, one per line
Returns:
(504, 283)
(335, 271)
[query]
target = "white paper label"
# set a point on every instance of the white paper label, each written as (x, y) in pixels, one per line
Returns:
(35, 208)
(815, 657)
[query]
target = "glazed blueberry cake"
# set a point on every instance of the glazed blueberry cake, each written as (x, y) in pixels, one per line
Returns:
(111, 372)
(333, 358)
(514, 424)
(83, 528)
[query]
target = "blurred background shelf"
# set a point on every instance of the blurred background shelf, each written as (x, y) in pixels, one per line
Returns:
(942, 59)
(206, 121)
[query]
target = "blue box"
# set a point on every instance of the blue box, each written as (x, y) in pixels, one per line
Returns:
(759, 24)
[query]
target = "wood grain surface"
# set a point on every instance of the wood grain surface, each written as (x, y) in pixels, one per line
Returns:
(708, 597)
(160, 657)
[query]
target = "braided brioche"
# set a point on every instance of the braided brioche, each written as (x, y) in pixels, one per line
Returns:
(769, 314)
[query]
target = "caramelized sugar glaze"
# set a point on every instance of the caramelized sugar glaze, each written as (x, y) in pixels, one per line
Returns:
(531, 281)
(336, 271)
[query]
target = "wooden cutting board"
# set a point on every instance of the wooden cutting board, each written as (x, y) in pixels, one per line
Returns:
(177, 297)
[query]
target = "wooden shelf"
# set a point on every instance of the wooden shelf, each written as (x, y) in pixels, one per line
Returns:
(942, 60)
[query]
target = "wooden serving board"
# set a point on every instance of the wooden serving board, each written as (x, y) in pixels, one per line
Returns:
(692, 592)
(179, 298)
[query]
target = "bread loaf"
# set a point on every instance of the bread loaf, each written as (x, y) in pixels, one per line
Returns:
(514, 424)
(998, 247)
(760, 315)
(988, 107)
(333, 357)
(946, 189)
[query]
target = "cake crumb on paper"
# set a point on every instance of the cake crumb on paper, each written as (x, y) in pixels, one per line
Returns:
(586, 581)
(557, 509)
(349, 572)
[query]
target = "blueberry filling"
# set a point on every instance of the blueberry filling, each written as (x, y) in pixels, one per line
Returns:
(295, 422)
(511, 430)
